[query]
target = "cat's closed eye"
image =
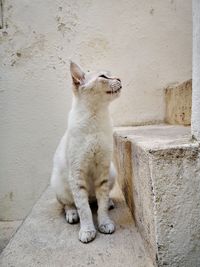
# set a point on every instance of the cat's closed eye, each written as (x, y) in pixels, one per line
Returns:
(103, 76)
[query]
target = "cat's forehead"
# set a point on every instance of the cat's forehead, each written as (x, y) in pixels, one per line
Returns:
(95, 74)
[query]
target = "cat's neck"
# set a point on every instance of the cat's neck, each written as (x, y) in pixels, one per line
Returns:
(89, 118)
(90, 106)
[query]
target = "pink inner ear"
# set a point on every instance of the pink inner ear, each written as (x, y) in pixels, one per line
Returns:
(76, 81)
(77, 74)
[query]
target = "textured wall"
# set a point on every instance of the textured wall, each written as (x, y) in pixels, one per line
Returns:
(196, 71)
(178, 103)
(146, 43)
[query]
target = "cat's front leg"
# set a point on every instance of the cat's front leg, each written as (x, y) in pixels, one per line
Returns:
(105, 224)
(80, 194)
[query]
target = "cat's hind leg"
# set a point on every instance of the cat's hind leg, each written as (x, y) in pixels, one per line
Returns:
(71, 214)
(64, 196)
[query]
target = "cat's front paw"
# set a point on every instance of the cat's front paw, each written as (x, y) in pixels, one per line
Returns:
(86, 236)
(72, 216)
(107, 227)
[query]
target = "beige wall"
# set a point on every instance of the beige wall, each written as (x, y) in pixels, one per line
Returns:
(196, 71)
(146, 43)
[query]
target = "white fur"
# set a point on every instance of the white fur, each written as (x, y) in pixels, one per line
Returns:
(83, 158)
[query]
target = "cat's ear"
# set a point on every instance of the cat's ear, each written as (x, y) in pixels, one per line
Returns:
(77, 74)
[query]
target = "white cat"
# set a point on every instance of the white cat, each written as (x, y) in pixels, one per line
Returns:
(82, 167)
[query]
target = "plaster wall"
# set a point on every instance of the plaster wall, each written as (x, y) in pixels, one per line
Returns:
(146, 43)
(179, 103)
(196, 71)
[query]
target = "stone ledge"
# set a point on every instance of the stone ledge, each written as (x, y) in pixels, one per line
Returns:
(178, 99)
(164, 176)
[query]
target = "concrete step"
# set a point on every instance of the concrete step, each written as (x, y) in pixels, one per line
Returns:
(178, 99)
(159, 174)
(7, 230)
(45, 239)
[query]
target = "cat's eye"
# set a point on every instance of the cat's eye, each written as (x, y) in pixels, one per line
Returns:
(103, 76)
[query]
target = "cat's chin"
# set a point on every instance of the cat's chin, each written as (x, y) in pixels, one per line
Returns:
(114, 92)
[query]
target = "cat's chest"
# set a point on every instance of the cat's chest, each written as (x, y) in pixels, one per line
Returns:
(90, 137)
(98, 145)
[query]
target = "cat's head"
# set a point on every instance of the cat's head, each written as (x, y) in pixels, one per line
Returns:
(94, 85)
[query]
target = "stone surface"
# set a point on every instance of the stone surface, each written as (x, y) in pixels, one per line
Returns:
(7, 230)
(165, 178)
(45, 239)
(178, 100)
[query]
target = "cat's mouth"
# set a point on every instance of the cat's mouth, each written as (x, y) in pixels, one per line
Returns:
(114, 91)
